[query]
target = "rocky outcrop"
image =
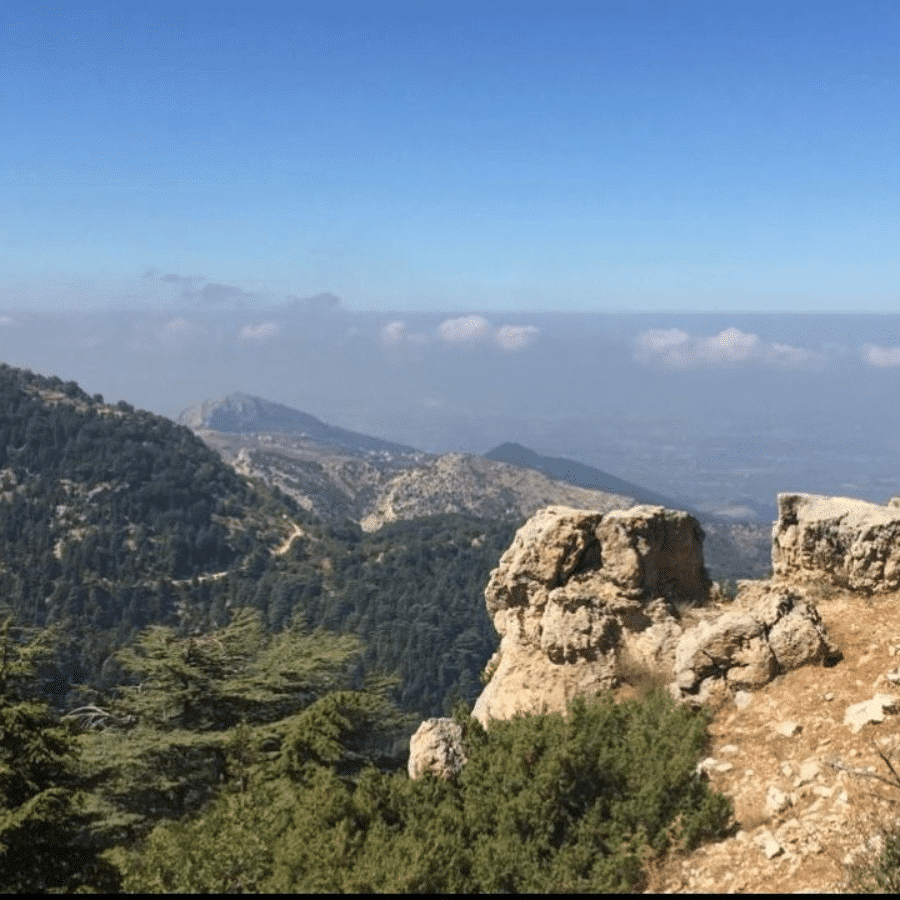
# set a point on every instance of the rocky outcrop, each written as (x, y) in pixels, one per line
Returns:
(774, 630)
(582, 599)
(577, 593)
(852, 543)
(436, 748)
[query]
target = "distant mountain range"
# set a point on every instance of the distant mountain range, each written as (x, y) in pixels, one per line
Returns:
(339, 474)
(244, 414)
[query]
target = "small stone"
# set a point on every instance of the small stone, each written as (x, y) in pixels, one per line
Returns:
(788, 729)
(742, 699)
(829, 696)
(809, 771)
(858, 715)
(776, 801)
(706, 765)
(728, 750)
(769, 846)
(787, 769)
(724, 767)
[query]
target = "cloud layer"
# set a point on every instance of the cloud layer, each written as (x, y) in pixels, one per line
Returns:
(676, 349)
(259, 334)
(881, 357)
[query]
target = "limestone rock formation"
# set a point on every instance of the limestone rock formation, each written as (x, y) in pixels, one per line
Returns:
(853, 543)
(436, 747)
(774, 630)
(578, 591)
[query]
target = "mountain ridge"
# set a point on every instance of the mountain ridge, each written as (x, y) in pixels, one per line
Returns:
(338, 475)
(241, 413)
(574, 472)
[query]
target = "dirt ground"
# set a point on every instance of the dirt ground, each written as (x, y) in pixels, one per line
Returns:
(790, 737)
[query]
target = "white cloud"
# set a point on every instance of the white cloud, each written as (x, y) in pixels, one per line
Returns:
(461, 331)
(464, 330)
(182, 330)
(513, 338)
(258, 334)
(677, 349)
(881, 357)
(393, 334)
(793, 357)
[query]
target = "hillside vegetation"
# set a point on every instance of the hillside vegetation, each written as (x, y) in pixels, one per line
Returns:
(113, 519)
(203, 688)
(247, 762)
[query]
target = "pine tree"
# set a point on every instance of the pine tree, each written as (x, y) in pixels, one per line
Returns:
(45, 839)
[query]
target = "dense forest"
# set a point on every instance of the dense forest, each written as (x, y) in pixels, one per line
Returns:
(240, 760)
(113, 519)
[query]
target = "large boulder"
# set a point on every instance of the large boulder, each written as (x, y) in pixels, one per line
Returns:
(437, 749)
(579, 590)
(773, 630)
(852, 543)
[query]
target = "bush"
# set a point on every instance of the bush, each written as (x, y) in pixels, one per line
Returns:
(881, 874)
(545, 803)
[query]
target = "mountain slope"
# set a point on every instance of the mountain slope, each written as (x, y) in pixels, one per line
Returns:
(337, 484)
(579, 474)
(243, 414)
(107, 513)
(114, 519)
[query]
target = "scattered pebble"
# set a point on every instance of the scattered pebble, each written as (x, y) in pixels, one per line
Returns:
(788, 729)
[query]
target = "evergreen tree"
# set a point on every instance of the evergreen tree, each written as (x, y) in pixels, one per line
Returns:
(164, 746)
(45, 839)
(544, 803)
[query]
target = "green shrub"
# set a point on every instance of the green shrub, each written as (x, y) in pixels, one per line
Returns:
(880, 873)
(545, 803)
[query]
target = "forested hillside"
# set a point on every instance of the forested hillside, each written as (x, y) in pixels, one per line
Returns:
(245, 762)
(106, 513)
(112, 519)
(413, 592)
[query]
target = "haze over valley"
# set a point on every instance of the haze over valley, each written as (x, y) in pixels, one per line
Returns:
(720, 411)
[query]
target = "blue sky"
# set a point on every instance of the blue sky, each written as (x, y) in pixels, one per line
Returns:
(611, 156)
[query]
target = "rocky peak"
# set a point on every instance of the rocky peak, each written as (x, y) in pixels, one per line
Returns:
(850, 543)
(579, 589)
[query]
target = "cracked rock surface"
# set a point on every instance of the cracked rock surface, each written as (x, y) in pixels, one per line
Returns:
(578, 593)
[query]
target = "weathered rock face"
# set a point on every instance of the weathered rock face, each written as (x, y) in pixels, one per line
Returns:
(436, 747)
(853, 543)
(577, 591)
(774, 630)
